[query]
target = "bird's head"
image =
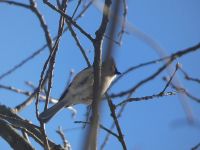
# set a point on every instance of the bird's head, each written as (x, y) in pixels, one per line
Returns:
(109, 68)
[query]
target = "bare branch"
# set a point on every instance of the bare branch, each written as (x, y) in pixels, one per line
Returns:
(125, 10)
(172, 58)
(149, 97)
(101, 126)
(79, 2)
(15, 3)
(11, 136)
(115, 119)
(78, 42)
(69, 19)
(160, 94)
(139, 66)
(196, 147)
(21, 63)
(189, 78)
(51, 62)
(91, 142)
(44, 26)
(65, 142)
(32, 130)
(166, 86)
(188, 94)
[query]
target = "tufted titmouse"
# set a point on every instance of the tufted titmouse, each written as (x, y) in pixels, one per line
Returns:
(80, 91)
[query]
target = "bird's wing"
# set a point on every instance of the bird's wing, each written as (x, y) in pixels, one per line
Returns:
(79, 80)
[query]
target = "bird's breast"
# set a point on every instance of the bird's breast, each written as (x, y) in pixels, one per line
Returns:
(107, 81)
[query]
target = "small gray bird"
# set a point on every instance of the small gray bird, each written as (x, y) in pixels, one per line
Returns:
(80, 91)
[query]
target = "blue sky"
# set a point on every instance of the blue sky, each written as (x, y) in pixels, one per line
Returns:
(147, 125)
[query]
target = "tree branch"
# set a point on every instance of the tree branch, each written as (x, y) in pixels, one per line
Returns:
(16, 141)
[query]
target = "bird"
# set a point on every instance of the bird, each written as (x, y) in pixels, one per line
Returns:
(80, 90)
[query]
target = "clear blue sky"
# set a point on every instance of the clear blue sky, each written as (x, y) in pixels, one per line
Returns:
(147, 125)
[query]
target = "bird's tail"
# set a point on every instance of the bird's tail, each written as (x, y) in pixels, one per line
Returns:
(50, 112)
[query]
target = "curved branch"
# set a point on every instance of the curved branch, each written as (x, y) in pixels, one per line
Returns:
(16, 141)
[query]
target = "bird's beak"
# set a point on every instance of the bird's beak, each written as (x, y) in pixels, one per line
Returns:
(117, 72)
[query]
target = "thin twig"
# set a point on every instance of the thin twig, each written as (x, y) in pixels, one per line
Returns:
(16, 3)
(112, 127)
(158, 95)
(108, 37)
(22, 63)
(78, 42)
(101, 126)
(125, 10)
(139, 66)
(187, 77)
(196, 147)
(183, 89)
(53, 52)
(11, 88)
(43, 79)
(69, 19)
(43, 24)
(149, 97)
(172, 58)
(30, 84)
(79, 2)
(115, 119)
(155, 74)
(166, 86)
(52, 60)
(66, 144)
